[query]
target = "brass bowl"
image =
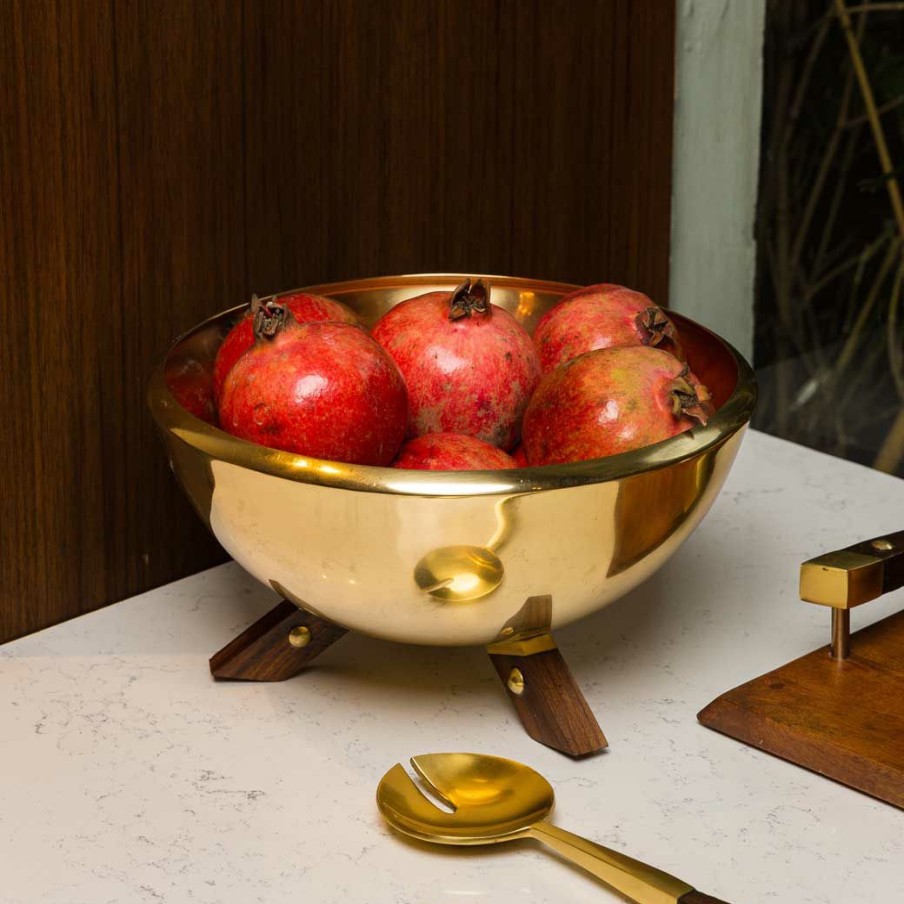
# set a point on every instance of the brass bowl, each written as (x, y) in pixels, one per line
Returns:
(451, 557)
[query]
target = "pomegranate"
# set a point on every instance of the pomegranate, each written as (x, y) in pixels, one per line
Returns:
(322, 389)
(192, 386)
(602, 316)
(451, 452)
(470, 367)
(519, 457)
(610, 401)
(305, 308)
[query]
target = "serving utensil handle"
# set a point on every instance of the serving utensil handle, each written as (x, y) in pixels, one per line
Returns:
(636, 880)
(850, 577)
(856, 574)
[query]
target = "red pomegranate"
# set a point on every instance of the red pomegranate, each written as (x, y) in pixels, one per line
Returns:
(602, 316)
(321, 389)
(610, 401)
(470, 367)
(305, 308)
(451, 452)
(519, 457)
(192, 386)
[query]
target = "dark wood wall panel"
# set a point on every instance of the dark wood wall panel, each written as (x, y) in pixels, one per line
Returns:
(182, 199)
(161, 159)
(511, 136)
(566, 71)
(58, 257)
(640, 143)
(397, 158)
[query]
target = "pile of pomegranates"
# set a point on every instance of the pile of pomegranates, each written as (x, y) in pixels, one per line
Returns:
(450, 381)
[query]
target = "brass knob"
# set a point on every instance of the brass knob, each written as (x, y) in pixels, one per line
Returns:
(515, 682)
(458, 574)
(300, 636)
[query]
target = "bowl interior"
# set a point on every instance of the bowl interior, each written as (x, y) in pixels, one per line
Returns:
(188, 368)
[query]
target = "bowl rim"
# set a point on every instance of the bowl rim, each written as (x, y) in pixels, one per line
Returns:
(217, 444)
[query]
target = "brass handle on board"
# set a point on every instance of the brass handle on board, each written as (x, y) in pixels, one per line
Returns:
(850, 577)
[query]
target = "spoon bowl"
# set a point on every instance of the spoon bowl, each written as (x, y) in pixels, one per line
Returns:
(492, 799)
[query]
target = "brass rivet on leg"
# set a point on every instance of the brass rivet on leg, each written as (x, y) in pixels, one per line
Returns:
(883, 545)
(300, 636)
(516, 682)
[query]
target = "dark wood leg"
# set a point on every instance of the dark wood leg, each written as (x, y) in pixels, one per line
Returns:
(546, 697)
(276, 646)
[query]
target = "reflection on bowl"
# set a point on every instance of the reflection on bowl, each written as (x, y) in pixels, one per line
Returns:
(451, 557)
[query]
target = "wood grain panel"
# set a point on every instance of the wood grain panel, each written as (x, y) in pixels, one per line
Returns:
(387, 150)
(509, 136)
(179, 101)
(59, 259)
(640, 187)
(121, 227)
(565, 70)
(160, 159)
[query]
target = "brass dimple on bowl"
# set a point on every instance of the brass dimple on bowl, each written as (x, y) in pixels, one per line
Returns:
(451, 557)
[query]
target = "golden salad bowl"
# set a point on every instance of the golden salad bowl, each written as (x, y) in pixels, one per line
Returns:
(451, 557)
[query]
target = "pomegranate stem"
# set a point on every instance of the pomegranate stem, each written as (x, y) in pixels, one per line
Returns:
(270, 317)
(689, 400)
(471, 297)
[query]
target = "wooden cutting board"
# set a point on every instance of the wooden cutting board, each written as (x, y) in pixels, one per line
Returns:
(841, 718)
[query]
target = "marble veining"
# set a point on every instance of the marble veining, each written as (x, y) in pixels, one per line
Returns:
(129, 775)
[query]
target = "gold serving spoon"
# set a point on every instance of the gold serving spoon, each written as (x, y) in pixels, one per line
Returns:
(493, 799)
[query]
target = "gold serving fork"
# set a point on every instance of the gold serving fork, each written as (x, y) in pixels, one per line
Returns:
(494, 799)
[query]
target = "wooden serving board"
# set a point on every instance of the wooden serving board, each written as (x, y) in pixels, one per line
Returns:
(842, 718)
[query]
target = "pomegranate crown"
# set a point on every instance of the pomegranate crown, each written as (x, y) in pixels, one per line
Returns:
(268, 317)
(691, 399)
(657, 330)
(471, 297)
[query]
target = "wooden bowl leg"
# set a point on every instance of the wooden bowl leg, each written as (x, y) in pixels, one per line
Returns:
(546, 697)
(276, 646)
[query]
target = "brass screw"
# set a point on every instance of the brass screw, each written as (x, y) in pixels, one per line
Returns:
(883, 545)
(516, 682)
(300, 637)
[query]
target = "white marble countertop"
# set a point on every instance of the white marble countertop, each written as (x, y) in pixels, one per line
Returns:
(128, 775)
